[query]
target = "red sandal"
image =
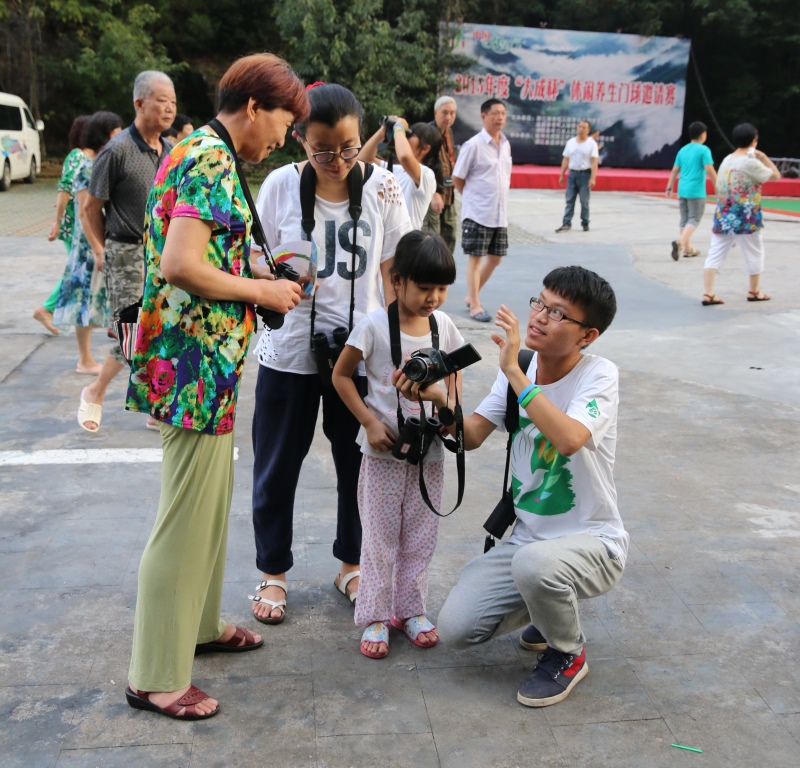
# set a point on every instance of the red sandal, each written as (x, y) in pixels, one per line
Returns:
(233, 645)
(187, 702)
(711, 298)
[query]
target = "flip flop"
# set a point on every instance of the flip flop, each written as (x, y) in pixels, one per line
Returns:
(377, 632)
(481, 317)
(758, 296)
(89, 412)
(233, 644)
(341, 582)
(675, 254)
(690, 254)
(414, 627)
(711, 298)
(193, 696)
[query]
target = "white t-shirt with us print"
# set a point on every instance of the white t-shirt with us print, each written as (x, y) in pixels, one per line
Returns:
(557, 495)
(384, 220)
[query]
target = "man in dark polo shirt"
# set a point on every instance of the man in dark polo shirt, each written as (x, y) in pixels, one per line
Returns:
(121, 179)
(442, 217)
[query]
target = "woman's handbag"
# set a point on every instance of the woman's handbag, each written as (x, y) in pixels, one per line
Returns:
(127, 326)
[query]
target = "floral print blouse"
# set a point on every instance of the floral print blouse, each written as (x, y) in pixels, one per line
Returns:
(71, 164)
(190, 351)
(739, 182)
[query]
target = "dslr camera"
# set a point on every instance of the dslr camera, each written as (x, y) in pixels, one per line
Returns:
(427, 366)
(326, 354)
(270, 317)
(388, 122)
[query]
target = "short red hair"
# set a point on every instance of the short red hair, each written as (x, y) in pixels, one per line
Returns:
(268, 80)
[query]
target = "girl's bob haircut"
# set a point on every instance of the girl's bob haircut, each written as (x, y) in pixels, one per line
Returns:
(424, 258)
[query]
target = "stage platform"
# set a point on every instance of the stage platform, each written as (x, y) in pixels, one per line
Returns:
(629, 180)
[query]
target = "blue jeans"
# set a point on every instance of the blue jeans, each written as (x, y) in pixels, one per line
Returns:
(577, 184)
(284, 420)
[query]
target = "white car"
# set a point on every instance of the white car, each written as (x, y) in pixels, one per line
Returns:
(20, 148)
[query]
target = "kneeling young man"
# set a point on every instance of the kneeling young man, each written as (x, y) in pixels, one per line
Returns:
(568, 542)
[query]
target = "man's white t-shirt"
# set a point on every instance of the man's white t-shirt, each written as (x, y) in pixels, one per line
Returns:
(371, 336)
(557, 495)
(384, 220)
(580, 153)
(418, 198)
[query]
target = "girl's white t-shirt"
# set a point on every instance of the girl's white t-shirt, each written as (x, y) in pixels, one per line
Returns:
(384, 220)
(557, 495)
(371, 336)
(418, 198)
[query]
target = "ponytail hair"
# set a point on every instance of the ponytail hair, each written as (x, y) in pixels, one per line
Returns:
(329, 104)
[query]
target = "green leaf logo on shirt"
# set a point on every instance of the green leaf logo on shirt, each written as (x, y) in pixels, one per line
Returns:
(540, 482)
(592, 408)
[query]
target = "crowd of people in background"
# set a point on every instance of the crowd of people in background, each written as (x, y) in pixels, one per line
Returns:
(159, 212)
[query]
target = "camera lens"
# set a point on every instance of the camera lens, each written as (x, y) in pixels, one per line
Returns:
(416, 369)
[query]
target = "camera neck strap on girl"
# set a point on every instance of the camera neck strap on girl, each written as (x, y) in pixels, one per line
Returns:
(271, 318)
(308, 198)
(415, 436)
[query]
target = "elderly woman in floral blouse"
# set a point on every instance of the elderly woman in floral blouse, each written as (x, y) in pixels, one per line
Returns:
(196, 323)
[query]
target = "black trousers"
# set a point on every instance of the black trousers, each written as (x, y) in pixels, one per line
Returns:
(287, 405)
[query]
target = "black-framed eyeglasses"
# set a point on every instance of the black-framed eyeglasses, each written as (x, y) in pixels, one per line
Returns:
(349, 153)
(537, 305)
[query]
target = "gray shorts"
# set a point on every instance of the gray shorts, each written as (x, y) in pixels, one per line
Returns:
(123, 265)
(692, 210)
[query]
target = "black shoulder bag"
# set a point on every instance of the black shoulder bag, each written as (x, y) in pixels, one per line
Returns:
(503, 515)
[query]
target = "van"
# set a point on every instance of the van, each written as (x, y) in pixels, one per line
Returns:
(20, 148)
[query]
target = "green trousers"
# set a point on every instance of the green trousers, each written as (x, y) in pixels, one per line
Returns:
(183, 564)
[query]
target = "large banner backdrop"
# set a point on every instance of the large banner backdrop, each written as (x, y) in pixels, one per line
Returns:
(630, 88)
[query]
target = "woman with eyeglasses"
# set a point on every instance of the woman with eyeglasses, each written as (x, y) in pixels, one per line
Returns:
(353, 271)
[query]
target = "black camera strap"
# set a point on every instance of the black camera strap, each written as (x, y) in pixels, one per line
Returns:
(511, 423)
(257, 229)
(308, 200)
(454, 446)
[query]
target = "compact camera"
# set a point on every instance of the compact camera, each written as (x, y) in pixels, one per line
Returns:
(326, 354)
(427, 366)
(271, 318)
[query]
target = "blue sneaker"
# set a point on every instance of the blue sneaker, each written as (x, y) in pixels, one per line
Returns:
(532, 639)
(553, 677)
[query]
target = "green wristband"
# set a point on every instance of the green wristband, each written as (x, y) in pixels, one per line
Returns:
(530, 397)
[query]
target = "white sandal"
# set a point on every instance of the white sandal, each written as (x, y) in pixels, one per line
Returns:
(89, 412)
(275, 604)
(341, 582)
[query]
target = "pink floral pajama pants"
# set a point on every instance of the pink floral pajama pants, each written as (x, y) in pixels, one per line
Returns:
(398, 537)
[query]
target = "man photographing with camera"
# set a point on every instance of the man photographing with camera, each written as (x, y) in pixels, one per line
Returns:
(568, 541)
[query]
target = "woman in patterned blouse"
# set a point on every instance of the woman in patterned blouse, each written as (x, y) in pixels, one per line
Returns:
(196, 322)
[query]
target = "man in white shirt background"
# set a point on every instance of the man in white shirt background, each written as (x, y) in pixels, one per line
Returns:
(483, 178)
(581, 157)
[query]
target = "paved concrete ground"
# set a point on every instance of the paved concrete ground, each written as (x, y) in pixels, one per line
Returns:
(697, 646)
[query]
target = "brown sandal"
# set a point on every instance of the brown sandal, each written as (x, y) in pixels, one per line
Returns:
(189, 700)
(711, 298)
(758, 296)
(233, 644)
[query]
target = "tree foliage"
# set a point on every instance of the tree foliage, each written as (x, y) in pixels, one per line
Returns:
(66, 57)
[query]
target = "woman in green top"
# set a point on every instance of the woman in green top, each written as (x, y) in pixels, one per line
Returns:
(65, 214)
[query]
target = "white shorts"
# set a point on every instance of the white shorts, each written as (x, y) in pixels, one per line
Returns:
(752, 248)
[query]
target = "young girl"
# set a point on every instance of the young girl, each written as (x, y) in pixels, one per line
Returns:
(418, 161)
(289, 388)
(399, 531)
